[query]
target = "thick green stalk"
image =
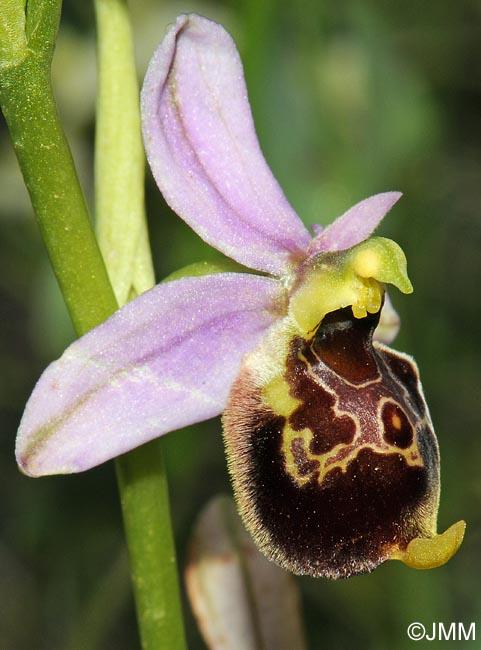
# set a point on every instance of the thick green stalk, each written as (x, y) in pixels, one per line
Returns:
(49, 172)
(122, 233)
(145, 504)
(26, 97)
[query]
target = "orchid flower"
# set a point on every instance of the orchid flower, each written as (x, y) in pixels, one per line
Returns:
(334, 461)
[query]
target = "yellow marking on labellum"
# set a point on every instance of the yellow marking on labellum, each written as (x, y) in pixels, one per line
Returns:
(277, 396)
(411, 454)
(324, 463)
(291, 464)
(396, 421)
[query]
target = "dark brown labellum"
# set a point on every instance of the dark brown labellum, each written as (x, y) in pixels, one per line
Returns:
(333, 459)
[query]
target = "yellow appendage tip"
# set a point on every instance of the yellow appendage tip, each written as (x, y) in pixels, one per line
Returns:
(428, 553)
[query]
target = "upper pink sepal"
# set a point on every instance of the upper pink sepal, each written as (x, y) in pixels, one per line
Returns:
(164, 361)
(204, 154)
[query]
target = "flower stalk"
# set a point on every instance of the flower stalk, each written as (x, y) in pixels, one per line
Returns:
(146, 512)
(27, 100)
(49, 172)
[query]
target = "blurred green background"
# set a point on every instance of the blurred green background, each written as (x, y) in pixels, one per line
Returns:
(349, 99)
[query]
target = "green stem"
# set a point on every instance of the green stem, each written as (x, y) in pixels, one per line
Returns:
(49, 172)
(145, 504)
(51, 179)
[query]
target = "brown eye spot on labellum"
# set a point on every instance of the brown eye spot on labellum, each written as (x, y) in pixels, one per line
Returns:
(398, 431)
